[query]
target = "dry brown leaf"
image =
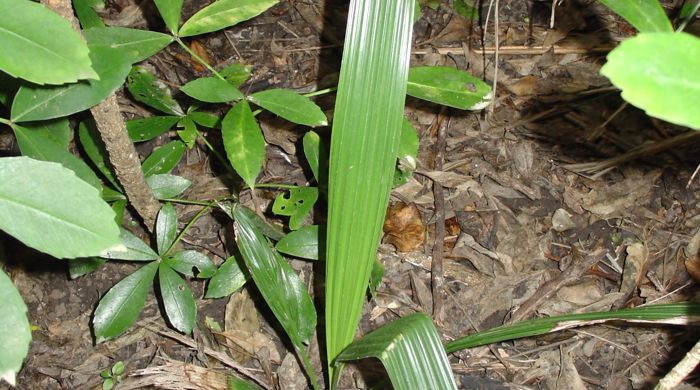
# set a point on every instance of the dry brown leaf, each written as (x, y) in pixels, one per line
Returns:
(404, 227)
(202, 52)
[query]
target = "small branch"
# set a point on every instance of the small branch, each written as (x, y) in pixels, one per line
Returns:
(437, 276)
(681, 370)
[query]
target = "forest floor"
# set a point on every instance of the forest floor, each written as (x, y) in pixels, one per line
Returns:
(557, 174)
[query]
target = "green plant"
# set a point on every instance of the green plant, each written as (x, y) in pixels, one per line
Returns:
(112, 376)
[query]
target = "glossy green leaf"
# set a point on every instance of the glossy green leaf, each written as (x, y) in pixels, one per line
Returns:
(312, 152)
(296, 204)
(146, 88)
(644, 15)
(37, 145)
(212, 90)
(119, 207)
(657, 73)
(164, 158)
(448, 86)
(58, 131)
(166, 186)
(122, 304)
(177, 299)
(223, 13)
(111, 195)
(51, 54)
(134, 249)
(300, 243)
(112, 64)
(185, 261)
(84, 266)
(85, 10)
(93, 146)
(170, 12)
(236, 74)
(410, 350)
(166, 228)
(38, 197)
(677, 313)
(244, 142)
(408, 145)
(364, 141)
(291, 106)
(284, 292)
(226, 280)
(130, 44)
(148, 128)
(375, 278)
(15, 334)
(205, 119)
(189, 132)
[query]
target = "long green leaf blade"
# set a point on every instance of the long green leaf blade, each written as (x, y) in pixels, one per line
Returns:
(644, 15)
(14, 330)
(448, 86)
(291, 106)
(170, 12)
(243, 142)
(166, 228)
(40, 46)
(48, 208)
(679, 313)
(177, 299)
(227, 279)
(411, 352)
(365, 137)
(223, 13)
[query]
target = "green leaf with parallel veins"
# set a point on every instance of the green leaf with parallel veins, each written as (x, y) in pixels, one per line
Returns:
(297, 205)
(236, 74)
(657, 73)
(170, 12)
(243, 142)
(223, 13)
(37, 197)
(226, 280)
(284, 292)
(448, 86)
(95, 149)
(375, 278)
(166, 186)
(134, 249)
(16, 334)
(301, 243)
(37, 145)
(148, 128)
(411, 352)
(50, 54)
(122, 304)
(164, 158)
(84, 266)
(184, 261)
(290, 106)
(177, 299)
(166, 228)
(645, 15)
(212, 90)
(146, 88)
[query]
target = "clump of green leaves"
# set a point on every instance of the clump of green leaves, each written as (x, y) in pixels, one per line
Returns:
(112, 376)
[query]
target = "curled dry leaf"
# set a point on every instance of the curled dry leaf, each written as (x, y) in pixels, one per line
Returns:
(404, 227)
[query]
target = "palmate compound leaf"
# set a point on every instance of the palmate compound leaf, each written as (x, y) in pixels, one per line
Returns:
(296, 204)
(51, 54)
(243, 142)
(657, 73)
(227, 279)
(166, 228)
(48, 208)
(148, 89)
(212, 90)
(290, 106)
(644, 15)
(177, 299)
(301, 243)
(411, 352)
(281, 287)
(185, 261)
(15, 335)
(122, 304)
(448, 86)
(223, 13)
(170, 12)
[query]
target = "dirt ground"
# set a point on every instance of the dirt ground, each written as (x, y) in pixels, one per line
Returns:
(557, 173)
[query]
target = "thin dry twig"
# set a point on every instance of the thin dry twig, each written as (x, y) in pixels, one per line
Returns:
(681, 370)
(436, 272)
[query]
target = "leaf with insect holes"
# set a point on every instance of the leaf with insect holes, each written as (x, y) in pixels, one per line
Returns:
(223, 13)
(177, 299)
(146, 88)
(227, 279)
(448, 86)
(212, 90)
(189, 133)
(145, 129)
(243, 142)
(164, 158)
(185, 261)
(301, 243)
(296, 205)
(122, 304)
(290, 106)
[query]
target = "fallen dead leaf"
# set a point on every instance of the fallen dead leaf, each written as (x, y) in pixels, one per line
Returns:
(404, 227)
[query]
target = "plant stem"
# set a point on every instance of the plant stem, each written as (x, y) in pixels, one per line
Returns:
(216, 154)
(308, 368)
(6, 121)
(198, 58)
(188, 226)
(320, 92)
(193, 202)
(275, 185)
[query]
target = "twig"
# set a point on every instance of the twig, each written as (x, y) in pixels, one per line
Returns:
(437, 276)
(681, 370)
